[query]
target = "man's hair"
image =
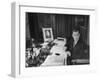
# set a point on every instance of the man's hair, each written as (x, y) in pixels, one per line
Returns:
(75, 29)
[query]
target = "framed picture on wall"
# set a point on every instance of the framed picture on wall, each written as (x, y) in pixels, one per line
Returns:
(69, 32)
(47, 34)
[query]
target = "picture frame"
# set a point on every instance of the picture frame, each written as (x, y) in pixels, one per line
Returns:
(18, 68)
(47, 34)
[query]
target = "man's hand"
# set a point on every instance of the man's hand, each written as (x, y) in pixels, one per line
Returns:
(68, 53)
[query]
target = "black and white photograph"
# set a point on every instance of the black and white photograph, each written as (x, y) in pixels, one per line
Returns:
(47, 34)
(56, 39)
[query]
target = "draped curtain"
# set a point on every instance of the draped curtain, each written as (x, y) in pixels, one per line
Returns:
(61, 25)
(64, 25)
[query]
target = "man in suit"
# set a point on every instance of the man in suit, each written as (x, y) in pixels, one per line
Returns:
(78, 50)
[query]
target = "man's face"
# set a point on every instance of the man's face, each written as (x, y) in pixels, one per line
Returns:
(76, 35)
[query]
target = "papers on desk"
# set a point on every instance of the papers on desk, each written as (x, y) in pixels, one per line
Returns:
(55, 60)
(58, 49)
(59, 54)
(59, 42)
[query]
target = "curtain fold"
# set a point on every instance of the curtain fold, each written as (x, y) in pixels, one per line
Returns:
(61, 25)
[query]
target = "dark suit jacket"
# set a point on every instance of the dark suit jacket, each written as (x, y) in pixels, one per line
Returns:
(79, 51)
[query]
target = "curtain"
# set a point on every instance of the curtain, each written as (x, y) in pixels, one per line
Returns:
(61, 25)
(35, 29)
(64, 25)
